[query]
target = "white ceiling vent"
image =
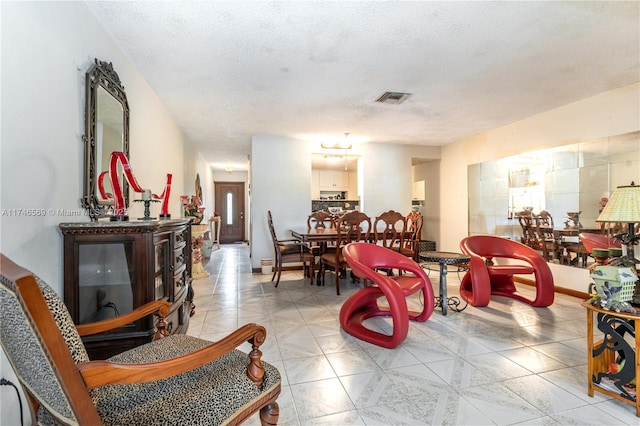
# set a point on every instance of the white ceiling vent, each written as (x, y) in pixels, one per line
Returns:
(393, 97)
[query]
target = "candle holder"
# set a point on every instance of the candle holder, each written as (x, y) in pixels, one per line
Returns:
(147, 210)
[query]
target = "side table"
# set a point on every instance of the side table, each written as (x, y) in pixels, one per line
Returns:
(602, 353)
(444, 258)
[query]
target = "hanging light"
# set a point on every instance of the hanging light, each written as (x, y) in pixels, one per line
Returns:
(337, 145)
(346, 153)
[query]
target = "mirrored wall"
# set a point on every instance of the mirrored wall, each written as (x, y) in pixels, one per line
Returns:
(570, 179)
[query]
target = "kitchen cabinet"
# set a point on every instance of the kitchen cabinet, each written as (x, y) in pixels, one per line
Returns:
(111, 268)
(418, 190)
(333, 180)
(352, 191)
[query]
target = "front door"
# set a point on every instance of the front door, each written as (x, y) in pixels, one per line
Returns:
(230, 206)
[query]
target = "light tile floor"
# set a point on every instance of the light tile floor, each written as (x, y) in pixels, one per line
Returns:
(504, 364)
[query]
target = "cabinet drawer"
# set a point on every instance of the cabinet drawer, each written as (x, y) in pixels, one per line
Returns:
(179, 260)
(181, 236)
(180, 281)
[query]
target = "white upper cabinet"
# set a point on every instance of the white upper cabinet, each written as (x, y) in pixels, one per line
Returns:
(333, 180)
(418, 190)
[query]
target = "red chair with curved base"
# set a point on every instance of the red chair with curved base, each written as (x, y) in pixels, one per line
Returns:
(591, 241)
(484, 278)
(364, 259)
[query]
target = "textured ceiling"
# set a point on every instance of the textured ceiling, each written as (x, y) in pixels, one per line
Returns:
(312, 70)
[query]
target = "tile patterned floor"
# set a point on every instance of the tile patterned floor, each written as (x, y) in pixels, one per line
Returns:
(505, 364)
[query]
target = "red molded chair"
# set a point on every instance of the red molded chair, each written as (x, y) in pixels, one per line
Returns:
(364, 259)
(484, 278)
(591, 241)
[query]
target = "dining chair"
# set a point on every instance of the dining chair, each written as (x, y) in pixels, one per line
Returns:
(546, 239)
(173, 380)
(289, 251)
(318, 220)
(525, 218)
(365, 260)
(352, 227)
(413, 234)
(389, 229)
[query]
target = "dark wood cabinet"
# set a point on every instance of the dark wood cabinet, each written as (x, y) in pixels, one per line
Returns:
(111, 268)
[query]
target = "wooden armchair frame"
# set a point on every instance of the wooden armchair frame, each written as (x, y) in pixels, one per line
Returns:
(76, 379)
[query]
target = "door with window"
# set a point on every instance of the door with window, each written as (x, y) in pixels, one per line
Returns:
(230, 205)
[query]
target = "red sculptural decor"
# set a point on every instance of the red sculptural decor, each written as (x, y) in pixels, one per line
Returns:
(117, 197)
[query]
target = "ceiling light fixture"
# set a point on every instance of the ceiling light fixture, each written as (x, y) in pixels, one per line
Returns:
(337, 145)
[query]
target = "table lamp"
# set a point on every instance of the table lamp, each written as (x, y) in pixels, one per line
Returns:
(624, 207)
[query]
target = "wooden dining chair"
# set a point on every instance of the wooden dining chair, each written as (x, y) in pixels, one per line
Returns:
(319, 220)
(352, 227)
(389, 230)
(173, 380)
(289, 251)
(413, 234)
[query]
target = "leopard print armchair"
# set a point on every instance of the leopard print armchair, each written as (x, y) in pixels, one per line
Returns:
(176, 380)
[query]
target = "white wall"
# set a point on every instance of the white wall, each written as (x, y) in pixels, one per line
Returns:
(195, 164)
(429, 172)
(612, 113)
(47, 47)
(387, 176)
(280, 182)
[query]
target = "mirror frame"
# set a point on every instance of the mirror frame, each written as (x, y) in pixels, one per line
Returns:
(101, 75)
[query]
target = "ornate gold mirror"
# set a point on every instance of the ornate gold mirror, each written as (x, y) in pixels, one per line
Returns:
(107, 130)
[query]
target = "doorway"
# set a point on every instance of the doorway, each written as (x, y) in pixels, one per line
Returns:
(229, 199)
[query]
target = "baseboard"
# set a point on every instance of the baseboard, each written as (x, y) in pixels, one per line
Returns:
(284, 268)
(562, 290)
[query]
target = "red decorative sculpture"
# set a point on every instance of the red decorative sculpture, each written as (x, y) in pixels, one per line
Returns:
(364, 259)
(117, 196)
(485, 278)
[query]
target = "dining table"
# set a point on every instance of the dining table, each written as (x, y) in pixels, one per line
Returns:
(317, 235)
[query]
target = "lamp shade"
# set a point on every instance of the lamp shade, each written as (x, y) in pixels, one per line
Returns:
(623, 206)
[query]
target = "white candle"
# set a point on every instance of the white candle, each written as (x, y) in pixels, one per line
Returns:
(146, 195)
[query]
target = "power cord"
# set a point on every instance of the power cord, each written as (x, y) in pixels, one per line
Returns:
(5, 382)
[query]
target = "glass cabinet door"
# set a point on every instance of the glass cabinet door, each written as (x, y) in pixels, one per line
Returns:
(163, 266)
(106, 274)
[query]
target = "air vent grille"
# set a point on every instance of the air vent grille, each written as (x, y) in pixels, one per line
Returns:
(393, 97)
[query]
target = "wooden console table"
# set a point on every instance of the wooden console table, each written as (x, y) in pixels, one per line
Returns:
(602, 353)
(110, 268)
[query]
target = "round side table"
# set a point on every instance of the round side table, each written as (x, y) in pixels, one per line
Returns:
(444, 258)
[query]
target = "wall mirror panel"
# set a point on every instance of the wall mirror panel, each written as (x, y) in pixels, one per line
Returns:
(107, 130)
(569, 179)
